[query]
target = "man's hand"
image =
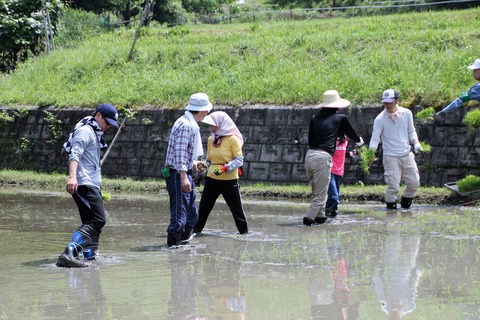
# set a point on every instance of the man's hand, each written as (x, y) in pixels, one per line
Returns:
(72, 185)
(186, 186)
(219, 170)
(199, 166)
(354, 154)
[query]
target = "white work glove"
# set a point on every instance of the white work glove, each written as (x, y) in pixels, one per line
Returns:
(417, 148)
(359, 144)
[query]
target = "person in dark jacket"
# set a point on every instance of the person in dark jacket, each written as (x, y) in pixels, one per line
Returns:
(325, 127)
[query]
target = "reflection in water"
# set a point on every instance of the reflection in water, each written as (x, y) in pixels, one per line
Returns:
(280, 270)
(183, 291)
(328, 288)
(86, 299)
(205, 283)
(396, 281)
(226, 298)
(88, 289)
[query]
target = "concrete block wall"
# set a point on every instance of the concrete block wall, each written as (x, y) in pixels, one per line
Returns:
(275, 143)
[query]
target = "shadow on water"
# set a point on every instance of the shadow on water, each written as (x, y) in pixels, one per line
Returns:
(365, 264)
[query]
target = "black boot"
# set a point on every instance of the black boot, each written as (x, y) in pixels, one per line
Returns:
(70, 258)
(331, 212)
(307, 221)
(391, 206)
(320, 220)
(82, 238)
(173, 238)
(406, 203)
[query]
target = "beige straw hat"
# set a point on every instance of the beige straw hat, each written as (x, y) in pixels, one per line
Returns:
(331, 99)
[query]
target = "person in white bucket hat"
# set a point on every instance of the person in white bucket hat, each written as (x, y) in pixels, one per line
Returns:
(472, 94)
(395, 129)
(325, 127)
(183, 153)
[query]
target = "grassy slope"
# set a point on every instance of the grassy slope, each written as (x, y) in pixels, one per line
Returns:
(423, 55)
(56, 182)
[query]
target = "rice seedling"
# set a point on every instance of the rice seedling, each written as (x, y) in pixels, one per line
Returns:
(367, 156)
(469, 183)
(472, 119)
(425, 114)
(425, 147)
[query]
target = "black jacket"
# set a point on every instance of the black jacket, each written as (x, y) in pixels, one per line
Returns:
(325, 127)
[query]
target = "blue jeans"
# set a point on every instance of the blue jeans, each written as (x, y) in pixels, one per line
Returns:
(183, 210)
(333, 193)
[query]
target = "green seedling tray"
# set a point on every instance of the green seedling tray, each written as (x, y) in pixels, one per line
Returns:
(453, 186)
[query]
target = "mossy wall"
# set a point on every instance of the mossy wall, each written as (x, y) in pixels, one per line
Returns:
(275, 143)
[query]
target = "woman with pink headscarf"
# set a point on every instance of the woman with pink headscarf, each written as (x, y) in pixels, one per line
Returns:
(225, 157)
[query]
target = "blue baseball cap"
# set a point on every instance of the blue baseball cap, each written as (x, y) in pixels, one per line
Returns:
(109, 113)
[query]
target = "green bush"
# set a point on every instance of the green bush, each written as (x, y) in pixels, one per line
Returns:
(77, 26)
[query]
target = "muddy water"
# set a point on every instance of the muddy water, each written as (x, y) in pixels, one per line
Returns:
(365, 264)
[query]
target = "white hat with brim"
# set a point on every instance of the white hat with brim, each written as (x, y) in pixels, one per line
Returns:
(199, 102)
(331, 99)
(475, 65)
(209, 120)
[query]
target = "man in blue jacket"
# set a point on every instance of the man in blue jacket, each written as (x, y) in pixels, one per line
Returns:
(472, 94)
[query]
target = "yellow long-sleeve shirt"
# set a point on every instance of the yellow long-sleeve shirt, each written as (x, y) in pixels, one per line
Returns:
(230, 147)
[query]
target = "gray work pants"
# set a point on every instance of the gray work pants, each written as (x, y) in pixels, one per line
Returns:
(399, 169)
(318, 164)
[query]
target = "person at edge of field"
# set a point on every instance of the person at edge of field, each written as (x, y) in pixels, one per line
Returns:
(395, 129)
(336, 175)
(325, 127)
(224, 157)
(183, 151)
(472, 94)
(84, 146)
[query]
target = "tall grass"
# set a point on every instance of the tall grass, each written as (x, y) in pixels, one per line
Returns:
(423, 55)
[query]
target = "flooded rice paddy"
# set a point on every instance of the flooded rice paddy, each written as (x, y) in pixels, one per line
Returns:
(365, 264)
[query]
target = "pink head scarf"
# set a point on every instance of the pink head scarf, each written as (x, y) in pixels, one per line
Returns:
(225, 125)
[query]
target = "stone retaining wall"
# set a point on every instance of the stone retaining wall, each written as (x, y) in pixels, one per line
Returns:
(275, 143)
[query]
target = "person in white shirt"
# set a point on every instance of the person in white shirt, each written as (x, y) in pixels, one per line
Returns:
(395, 129)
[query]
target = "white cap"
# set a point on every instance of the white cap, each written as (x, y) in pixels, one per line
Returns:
(389, 95)
(475, 65)
(199, 102)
